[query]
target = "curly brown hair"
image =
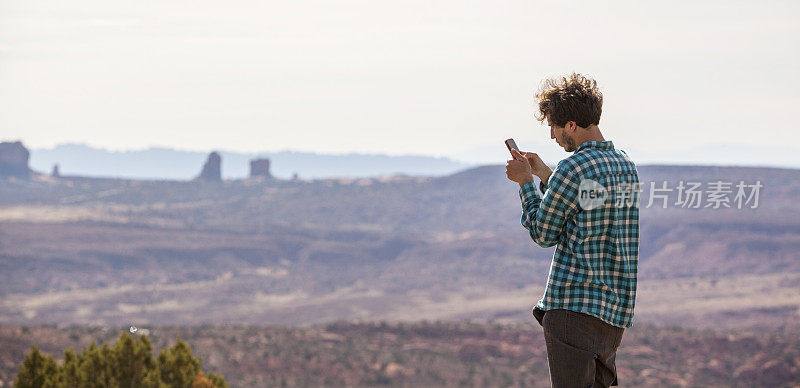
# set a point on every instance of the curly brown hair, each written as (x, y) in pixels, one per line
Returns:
(571, 98)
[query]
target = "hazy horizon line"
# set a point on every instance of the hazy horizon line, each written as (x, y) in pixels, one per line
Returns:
(457, 158)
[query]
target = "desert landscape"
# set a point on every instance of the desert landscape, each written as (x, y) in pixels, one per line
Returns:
(255, 257)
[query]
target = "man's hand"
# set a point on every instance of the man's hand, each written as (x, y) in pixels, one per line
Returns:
(538, 167)
(519, 169)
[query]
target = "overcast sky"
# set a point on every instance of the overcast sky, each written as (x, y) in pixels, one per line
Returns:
(442, 78)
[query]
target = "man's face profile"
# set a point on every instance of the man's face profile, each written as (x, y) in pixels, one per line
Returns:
(562, 138)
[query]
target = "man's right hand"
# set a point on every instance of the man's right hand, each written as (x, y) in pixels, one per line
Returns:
(538, 167)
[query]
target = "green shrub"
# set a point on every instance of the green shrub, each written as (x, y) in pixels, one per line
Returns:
(128, 364)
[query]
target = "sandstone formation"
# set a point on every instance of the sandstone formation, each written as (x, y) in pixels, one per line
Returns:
(211, 169)
(14, 160)
(259, 168)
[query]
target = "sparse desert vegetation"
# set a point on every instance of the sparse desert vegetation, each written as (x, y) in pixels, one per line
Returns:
(440, 353)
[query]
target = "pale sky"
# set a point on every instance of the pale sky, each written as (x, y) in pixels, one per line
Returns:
(441, 78)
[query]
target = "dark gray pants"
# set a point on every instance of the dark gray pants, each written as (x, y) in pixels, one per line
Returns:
(581, 349)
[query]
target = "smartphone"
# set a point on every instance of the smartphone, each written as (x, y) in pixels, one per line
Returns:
(511, 144)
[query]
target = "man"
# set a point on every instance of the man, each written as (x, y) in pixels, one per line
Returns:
(589, 211)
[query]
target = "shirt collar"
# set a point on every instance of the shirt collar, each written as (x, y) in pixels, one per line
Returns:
(605, 145)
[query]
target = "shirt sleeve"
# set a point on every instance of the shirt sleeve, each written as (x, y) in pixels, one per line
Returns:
(544, 217)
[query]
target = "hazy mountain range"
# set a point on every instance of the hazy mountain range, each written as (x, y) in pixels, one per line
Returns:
(168, 163)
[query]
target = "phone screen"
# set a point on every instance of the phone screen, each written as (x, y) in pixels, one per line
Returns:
(511, 144)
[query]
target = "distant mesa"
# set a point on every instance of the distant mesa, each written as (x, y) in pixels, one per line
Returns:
(14, 160)
(212, 171)
(259, 168)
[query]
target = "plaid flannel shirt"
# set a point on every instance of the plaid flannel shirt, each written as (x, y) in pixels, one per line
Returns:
(596, 233)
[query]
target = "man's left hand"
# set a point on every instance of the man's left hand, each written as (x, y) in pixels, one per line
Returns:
(519, 169)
